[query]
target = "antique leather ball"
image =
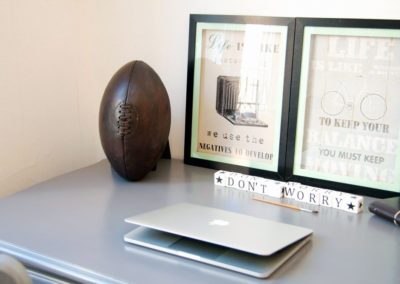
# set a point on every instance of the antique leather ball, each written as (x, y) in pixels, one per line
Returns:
(134, 120)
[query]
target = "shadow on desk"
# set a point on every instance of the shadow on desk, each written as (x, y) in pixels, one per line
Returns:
(231, 276)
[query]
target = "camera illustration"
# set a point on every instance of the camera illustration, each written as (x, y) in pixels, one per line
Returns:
(239, 100)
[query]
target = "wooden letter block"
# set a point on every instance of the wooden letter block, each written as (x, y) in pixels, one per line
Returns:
(314, 195)
(290, 189)
(353, 203)
(326, 197)
(261, 185)
(251, 183)
(220, 178)
(339, 200)
(275, 188)
(231, 179)
(240, 182)
(301, 193)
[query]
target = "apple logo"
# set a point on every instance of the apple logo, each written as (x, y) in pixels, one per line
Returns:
(219, 222)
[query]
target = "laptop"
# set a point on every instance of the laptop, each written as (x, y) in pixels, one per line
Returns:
(241, 243)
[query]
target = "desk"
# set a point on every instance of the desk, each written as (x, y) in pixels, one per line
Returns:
(72, 226)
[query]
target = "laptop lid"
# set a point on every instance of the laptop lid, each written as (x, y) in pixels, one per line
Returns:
(224, 228)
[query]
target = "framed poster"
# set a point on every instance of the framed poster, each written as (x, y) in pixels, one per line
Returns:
(345, 104)
(238, 93)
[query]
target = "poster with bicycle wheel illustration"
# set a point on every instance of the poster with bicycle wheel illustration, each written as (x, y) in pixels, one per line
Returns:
(348, 120)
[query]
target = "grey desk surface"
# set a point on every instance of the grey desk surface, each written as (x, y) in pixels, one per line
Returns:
(73, 226)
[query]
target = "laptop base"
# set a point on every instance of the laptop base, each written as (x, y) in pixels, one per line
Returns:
(239, 261)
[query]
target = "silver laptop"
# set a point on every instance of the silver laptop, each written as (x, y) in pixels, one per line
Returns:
(242, 243)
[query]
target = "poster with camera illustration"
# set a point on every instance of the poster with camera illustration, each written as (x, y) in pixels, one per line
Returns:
(350, 103)
(240, 70)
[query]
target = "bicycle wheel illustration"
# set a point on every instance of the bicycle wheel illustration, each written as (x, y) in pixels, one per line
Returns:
(332, 103)
(373, 106)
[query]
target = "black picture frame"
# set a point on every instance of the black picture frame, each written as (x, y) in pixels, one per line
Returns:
(314, 38)
(226, 87)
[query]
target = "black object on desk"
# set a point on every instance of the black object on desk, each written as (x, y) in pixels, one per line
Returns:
(388, 208)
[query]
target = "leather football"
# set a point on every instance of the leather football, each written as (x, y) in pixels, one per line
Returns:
(134, 120)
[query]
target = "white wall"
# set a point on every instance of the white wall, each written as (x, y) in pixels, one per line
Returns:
(41, 134)
(56, 57)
